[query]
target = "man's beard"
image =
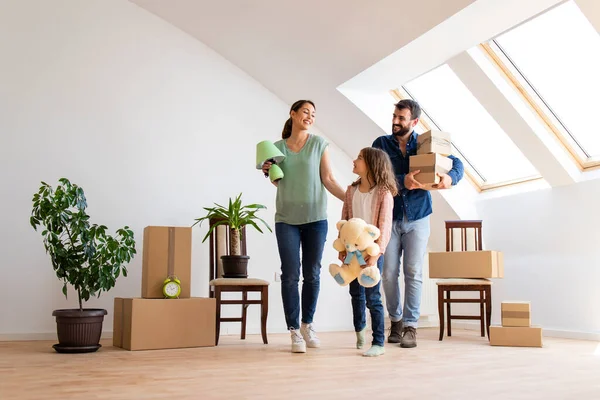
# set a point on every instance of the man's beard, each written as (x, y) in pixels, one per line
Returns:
(402, 132)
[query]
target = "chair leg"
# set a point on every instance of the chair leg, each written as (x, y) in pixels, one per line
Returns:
(449, 312)
(488, 308)
(218, 324)
(441, 310)
(481, 313)
(244, 309)
(264, 308)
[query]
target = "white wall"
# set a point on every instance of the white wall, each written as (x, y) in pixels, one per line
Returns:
(550, 242)
(153, 125)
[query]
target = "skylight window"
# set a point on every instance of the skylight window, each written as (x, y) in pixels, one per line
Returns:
(557, 58)
(475, 133)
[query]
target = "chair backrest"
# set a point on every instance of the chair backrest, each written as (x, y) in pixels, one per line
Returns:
(465, 228)
(219, 246)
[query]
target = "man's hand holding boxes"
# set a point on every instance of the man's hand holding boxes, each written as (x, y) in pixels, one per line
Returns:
(433, 147)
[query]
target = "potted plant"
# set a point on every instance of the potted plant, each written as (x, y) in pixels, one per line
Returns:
(83, 256)
(236, 216)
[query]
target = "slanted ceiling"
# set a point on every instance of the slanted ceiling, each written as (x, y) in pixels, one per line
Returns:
(306, 49)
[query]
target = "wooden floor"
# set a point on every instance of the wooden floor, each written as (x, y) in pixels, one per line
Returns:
(461, 367)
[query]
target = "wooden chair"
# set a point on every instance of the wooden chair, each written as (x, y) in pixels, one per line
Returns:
(483, 286)
(219, 245)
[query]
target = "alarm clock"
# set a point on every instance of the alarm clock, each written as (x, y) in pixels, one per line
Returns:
(171, 288)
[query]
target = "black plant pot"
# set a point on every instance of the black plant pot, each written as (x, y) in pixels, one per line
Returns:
(78, 331)
(235, 266)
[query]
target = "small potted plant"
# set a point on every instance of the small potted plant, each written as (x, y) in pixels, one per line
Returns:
(83, 256)
(236, 216)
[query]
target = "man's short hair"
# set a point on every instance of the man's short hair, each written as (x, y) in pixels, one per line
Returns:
(412, 106)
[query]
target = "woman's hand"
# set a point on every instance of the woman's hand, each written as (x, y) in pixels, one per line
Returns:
(265, 167)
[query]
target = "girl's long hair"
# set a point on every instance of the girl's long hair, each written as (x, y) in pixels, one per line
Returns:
(379, 169)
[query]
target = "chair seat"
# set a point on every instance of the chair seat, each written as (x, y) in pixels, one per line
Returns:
(452, 281)
(238, 282)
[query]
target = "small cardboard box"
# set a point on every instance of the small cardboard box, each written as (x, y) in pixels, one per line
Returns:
(516, 336)
(167, 251)
(429, 166)
(466, 264)
(151, 324)
(516, 313)
(434, 141)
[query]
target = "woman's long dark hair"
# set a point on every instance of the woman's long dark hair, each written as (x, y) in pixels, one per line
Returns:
(287, 127)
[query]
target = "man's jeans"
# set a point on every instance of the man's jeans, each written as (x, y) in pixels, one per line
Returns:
(372, 298)
(311, 237)
(411, 239)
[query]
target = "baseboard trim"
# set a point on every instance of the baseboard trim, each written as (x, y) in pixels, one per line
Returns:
(555, 333)
(27, 337)
(424, 322)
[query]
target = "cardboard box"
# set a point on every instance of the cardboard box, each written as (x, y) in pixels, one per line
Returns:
(150, 324)
(516, 313)
(516, 336)
(429, 166)
(434, 142)
(167, 252)
(466, 264)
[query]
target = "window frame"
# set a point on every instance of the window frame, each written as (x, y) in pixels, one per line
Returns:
(527, 92)
(426, 122)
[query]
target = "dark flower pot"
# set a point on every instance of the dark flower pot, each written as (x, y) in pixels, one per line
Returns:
(78, 331)
(235, 266)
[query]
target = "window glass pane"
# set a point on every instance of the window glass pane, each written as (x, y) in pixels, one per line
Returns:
(559, 54)
(472, 129)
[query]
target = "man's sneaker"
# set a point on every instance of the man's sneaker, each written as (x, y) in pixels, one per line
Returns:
(309, 335)
(298, 344)
(409, 337)
(395, 332)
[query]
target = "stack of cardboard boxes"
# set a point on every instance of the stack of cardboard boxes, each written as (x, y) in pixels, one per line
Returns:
(153, 321)
(516, 329)
(433, 147)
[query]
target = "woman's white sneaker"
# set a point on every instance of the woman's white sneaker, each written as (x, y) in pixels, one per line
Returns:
(298, 344)
(309, 335)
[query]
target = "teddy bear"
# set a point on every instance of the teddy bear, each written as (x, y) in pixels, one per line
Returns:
(356, 239)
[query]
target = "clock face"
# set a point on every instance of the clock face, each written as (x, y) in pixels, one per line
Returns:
(171, 289)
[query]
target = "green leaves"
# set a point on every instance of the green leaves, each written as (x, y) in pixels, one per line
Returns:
(235, 215)
(82, 255)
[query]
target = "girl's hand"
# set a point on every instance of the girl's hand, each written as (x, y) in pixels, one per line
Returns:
(342, 256)
(370, 260)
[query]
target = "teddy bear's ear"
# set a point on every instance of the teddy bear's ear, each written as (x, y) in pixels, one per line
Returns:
(340, 224)
(373, 231)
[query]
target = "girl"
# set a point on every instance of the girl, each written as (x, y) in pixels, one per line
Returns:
(301, 220)
(371, 198)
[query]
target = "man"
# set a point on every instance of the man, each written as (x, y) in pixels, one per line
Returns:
(410, 229)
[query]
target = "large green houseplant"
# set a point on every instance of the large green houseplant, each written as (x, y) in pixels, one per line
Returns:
(236, 216)
(83, 256)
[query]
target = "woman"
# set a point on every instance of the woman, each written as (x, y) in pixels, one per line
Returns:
(301, 219)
